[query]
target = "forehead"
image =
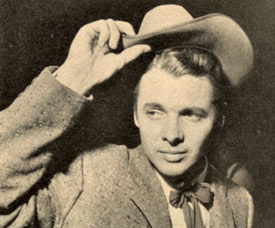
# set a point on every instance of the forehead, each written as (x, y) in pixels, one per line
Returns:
(158, 86)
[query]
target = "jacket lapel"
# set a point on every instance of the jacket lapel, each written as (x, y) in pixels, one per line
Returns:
(146, 191)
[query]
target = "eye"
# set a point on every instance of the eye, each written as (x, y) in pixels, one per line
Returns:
(193, 116)
(154, 114)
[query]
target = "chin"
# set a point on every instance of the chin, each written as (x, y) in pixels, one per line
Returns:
(172, 170)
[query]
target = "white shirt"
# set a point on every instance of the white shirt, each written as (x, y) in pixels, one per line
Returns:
(176, 214)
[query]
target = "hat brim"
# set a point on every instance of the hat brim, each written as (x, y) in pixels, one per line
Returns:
(217, 33)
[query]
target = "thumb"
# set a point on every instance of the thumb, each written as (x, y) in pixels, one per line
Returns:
(132, 53)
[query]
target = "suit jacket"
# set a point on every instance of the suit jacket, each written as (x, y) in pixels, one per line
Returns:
(110, 186)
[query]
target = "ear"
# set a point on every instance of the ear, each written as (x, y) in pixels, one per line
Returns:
(135, 118)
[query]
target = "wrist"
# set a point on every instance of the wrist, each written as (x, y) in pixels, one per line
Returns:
(71, 79)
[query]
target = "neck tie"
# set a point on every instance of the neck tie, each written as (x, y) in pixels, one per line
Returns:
(192, 194)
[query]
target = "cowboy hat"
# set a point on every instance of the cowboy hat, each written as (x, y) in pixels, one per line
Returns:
(171, 26)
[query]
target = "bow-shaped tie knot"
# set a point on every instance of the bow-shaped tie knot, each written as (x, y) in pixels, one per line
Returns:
(201, 192)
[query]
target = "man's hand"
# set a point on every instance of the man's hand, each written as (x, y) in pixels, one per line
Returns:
(91, 59)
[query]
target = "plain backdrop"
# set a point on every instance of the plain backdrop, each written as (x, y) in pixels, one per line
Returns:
(37, 33)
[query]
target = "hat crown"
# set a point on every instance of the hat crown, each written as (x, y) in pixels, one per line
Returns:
(162, 17)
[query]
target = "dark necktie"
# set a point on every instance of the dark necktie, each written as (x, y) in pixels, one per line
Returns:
(193, 194)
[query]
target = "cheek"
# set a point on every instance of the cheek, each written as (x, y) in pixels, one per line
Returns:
(149, 131)
(197, 133)
(147, 126)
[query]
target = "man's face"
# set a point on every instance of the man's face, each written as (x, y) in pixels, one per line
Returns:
(174, 116)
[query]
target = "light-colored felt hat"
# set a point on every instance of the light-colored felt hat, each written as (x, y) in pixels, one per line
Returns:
(172, 26)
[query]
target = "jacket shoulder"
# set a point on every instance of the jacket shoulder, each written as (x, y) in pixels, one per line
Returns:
(241, 204)
(239, 201)
(110, 153)
(109, 161)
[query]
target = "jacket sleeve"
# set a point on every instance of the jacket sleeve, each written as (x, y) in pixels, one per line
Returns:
(28, 128)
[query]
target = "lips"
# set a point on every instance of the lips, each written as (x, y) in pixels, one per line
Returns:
(173, 156)
(172, 152)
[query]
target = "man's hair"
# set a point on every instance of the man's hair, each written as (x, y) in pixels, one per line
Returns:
(198, 62)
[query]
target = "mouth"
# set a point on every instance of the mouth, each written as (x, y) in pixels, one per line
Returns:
(173, 156)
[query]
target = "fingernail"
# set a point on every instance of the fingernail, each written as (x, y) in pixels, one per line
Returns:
(147, 48)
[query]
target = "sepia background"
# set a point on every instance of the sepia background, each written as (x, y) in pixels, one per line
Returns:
(37, 33)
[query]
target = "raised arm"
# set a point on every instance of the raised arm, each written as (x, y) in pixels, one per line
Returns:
(30, 127)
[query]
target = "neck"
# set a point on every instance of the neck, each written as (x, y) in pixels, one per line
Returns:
(193, 175)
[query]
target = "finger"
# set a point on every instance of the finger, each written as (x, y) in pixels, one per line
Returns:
(114, 34)
(100, 27)
(126, 28)
(132, 53)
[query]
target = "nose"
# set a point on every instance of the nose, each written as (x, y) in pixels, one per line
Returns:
(172, 132)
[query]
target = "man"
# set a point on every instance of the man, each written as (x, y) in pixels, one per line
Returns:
(167, 181)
